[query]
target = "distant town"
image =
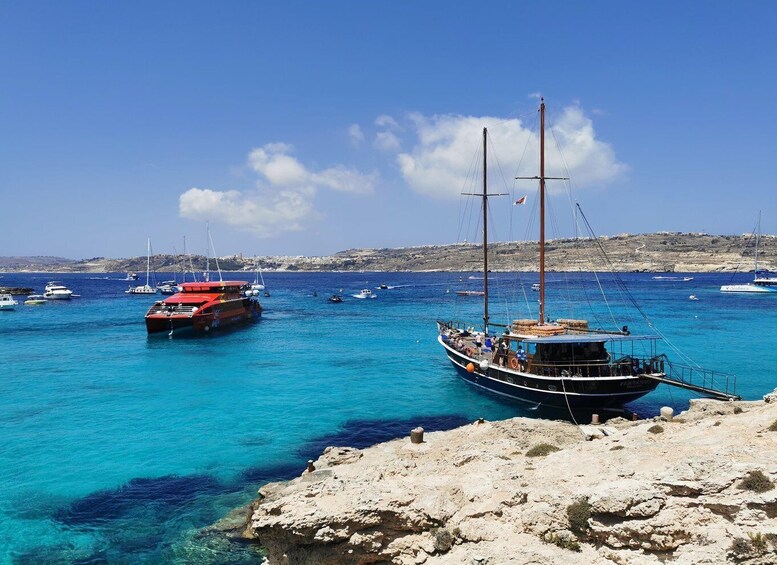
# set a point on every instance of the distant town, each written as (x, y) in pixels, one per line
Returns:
(656, 252)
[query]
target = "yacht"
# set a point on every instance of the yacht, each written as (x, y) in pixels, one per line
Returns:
(144, 288)
(57, 291)
(7, 302)
(168, 287)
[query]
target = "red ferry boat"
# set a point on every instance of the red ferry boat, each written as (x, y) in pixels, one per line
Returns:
(203, 306)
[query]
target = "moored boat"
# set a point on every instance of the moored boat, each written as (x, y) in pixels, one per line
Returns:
(144, 288)
(7, 302)
(559, 363)
(35, 300)
(335, 298)
(57, 291)
(168, 287)
(763, 281)
(202, 307)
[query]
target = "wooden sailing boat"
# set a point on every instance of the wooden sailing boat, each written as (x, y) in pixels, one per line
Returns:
(557, 364)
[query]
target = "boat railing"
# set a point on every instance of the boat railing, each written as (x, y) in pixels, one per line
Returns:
(621, 367)
(162, 308)
(716, 384)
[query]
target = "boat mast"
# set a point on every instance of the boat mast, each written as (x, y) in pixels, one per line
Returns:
(485, 232)
(757, 237)
(542, 178)
(542, 211)
(148, 259)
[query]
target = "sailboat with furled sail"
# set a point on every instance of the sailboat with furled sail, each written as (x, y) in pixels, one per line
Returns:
(555, 363)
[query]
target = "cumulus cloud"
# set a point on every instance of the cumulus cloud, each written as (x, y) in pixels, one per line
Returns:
(284, 196)
(356, 134)
(439, 164)
(387, 141)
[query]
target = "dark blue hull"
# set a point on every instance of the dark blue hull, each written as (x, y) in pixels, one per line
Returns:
(555, 392)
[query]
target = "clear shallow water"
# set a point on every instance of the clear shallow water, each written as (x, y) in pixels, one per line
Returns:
(117, 448)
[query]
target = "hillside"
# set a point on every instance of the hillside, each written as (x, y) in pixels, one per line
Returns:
(656, 252)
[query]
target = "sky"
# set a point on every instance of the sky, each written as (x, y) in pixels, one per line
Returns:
(307, 128)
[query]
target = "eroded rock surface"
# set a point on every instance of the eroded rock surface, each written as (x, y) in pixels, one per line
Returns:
(471, 495)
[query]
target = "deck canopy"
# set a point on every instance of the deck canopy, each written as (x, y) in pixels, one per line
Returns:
(582, 338)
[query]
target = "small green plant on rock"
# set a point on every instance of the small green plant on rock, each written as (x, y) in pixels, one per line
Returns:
(541, 450)
(738, 410)
(756, 481)
(444, 538)
(656, 429)
(757, 540)
(617, 448)
(773, 427)
(578, 514)
(569, 543)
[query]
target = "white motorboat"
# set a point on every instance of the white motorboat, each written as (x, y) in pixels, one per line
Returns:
(7, 302)
(35, 300)
(168, 287)
(57, 291)
(144, 288)
(365, 293)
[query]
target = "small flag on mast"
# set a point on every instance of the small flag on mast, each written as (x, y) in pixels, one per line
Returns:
(521, 200)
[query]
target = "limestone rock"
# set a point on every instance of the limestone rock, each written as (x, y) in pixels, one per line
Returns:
(471, 495)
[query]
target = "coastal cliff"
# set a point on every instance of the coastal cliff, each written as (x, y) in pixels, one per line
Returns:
(656, 252)
(695, 489)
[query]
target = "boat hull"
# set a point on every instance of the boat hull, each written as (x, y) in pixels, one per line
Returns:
(749, 287)
(555, 392)
(228, 313)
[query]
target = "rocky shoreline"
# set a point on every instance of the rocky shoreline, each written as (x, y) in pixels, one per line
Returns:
(696, 488)
(657, 252)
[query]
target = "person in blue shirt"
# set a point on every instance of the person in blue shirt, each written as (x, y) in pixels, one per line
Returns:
(520, 354)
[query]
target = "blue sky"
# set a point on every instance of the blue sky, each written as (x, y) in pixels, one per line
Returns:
(305, 128)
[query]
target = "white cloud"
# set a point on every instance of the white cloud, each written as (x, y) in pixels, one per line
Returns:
(356, 134)
(284, 198)
(387, 122)
(440, 163)
(387, 141)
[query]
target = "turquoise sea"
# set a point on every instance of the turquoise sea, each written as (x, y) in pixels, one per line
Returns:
(117, 448)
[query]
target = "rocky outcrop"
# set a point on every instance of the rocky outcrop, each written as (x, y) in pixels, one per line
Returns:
(472, 495)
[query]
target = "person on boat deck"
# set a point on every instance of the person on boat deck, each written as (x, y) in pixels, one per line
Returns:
(501, 352)
(478, 340)
(520, 354)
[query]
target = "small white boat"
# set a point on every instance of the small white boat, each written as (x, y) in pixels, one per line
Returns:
(35, 300)
(365, 293)
(7, 302)
(144, 288)
(693, 297)
(672, 279)
(535, 287)
(470, 293)
(57, 291)
(168, 287)
(131, 277)
(762, 282)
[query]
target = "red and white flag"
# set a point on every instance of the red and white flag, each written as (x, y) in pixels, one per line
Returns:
(521, 200)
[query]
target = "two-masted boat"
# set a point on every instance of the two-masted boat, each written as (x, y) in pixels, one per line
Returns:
(554, 363)
(203, 307)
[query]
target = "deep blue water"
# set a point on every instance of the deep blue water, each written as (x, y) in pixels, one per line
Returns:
(117, 448)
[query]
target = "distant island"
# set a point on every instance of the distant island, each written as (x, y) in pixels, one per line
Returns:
(662, 252)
